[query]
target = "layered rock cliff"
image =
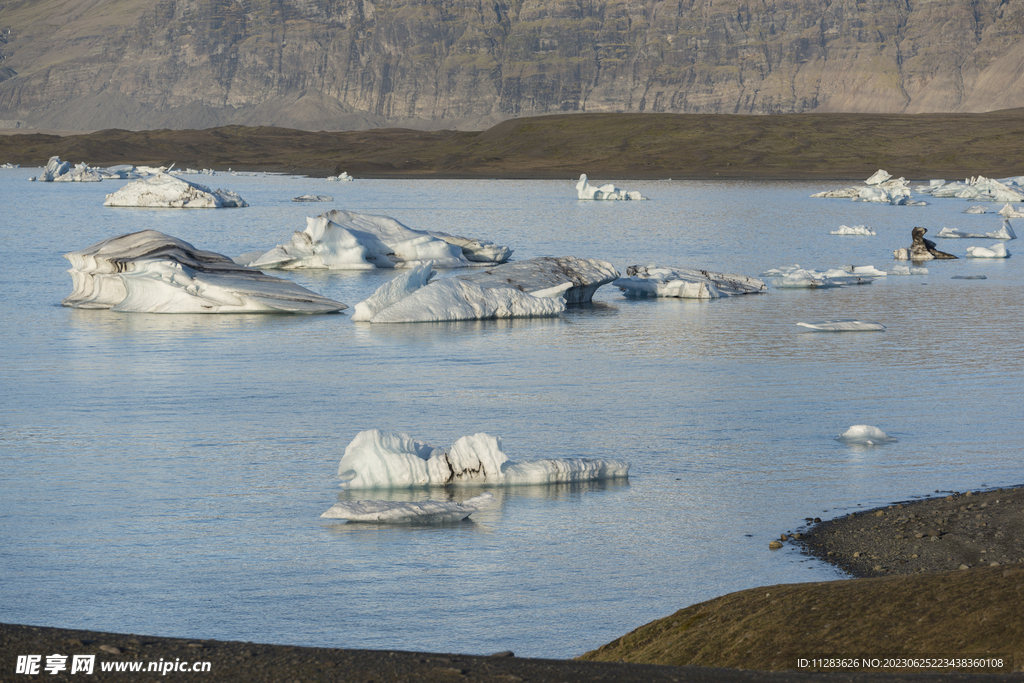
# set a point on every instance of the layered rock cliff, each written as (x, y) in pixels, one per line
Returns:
(337, 64)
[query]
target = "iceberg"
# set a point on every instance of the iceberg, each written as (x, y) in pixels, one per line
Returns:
(1009, 212)
(344, 240)
(997, 250)
(574, 279)
(685, 283)
(166, 191)
(854, 230)
(150, 272)
(977, 209)
(395, 512)
(343, 177)
(864, 435)
(377, 460)
(921, 250)
(81, 173)
(878, 177)
(880, 188)
(795, 277)
(412, 298)
(313, 198)
(584, 190)
(54, 168)
(1005, 232)
(844, 325)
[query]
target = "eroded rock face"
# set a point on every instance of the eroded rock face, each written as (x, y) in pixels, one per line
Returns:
(338, 64)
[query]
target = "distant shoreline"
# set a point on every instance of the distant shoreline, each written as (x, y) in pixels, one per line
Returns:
(836, 147)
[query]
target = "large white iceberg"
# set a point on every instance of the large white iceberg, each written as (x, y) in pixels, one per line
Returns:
(584, 190)
(150, 272)
(685, 283)
(345, 240)
(1005, 232)
(864, 435)
(844, 325)
(377, 460)
(1009, 212)
(401, 512)
(997, 250)
(413, 298)
(166, 191)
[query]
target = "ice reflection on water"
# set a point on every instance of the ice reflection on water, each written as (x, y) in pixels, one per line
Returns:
(165, 474)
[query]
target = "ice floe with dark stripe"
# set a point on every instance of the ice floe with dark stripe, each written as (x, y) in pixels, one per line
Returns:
(150, 272)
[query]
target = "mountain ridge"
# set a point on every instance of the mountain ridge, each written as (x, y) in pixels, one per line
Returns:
(468, 64)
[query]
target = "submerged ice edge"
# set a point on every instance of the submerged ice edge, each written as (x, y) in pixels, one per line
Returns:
(404, 512)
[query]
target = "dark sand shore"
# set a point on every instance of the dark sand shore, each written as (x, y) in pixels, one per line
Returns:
(604, 146)
(741, 637)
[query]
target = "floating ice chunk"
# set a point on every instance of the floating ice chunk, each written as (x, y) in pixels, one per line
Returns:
(900, 269)
(844, 325)
(865, 435)
(54, 169)
(411, 299)
(1005, 232)
(878, 177)
(584, 190)
(685, 283)
(795, 277)
(977, 209)
(376, 459)
(572, 278)
(396, 512)
(150, 272)
(166, 191)
(997, 250)
(854, 230)
(313, 198)
(81, 173)
(344, 240)
(1009, 212)
(344, 177)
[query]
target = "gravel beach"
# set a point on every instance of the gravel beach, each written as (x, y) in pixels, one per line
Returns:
(947, 532)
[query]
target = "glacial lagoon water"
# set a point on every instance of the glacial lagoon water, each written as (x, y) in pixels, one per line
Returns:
(164, 475)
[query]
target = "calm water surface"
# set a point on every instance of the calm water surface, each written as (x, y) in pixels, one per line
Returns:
(165, 475)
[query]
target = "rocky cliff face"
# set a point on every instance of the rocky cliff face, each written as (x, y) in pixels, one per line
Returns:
(336, 64)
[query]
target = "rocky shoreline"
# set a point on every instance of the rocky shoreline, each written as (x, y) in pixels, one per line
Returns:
(949, 532)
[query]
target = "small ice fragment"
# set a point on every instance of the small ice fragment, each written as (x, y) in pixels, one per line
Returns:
(845, 325)
(853, 230)
(997, 250)
(584, 190)
(866, 435)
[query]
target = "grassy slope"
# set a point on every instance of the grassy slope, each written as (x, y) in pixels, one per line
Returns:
(613, 146)
(975, 612)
